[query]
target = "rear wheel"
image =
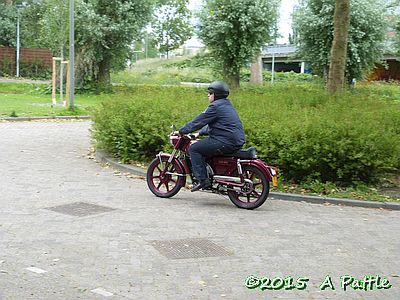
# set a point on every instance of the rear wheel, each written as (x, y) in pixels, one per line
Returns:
(251, 197)
(160, 180)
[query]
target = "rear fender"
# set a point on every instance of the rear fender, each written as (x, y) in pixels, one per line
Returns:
(258, 163)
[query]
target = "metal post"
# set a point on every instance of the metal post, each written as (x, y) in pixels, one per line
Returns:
(54, 82)
(17, 63)
(273, 53)
(61, 77)
(302, 67)
(273, 67)
(71, 55)
(146, 41)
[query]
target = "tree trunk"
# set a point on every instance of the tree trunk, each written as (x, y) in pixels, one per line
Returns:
(103, 78)
(256, 76)
(232, 77)
(167, 46)
(233, 80)
(341, 24)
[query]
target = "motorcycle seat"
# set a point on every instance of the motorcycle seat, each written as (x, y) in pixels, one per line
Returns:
(249, 153)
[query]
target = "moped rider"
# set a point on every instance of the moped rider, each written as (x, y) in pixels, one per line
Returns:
(221, 122)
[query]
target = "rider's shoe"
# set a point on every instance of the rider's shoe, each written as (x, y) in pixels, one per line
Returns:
(203, 184)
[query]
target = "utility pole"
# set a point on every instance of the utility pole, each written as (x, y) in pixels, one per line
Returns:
(273, 66)
(71, 55)
(273, 54)
(18, 43)
(146, 42)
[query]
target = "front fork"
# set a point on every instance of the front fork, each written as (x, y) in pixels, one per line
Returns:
(165, 171)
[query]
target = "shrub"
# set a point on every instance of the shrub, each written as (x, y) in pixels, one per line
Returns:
(35, 69)
(308, 134)
(137, 128)
(281, 77)
(168, 76)
(197, 61)
(7, 67)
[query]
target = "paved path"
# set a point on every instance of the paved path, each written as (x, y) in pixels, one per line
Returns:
(15, 80)
(123, 253)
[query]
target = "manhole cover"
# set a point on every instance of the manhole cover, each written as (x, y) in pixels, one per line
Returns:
(189, 248)
(80, 209)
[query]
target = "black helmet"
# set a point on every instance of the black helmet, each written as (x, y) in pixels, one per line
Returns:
(219, 88)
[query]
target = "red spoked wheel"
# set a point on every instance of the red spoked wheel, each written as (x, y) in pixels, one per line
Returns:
(162, 178)
(251, 197)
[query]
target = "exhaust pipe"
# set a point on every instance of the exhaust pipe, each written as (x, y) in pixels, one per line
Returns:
(227, 178)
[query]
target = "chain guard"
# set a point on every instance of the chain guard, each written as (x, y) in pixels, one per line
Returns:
(247, 189)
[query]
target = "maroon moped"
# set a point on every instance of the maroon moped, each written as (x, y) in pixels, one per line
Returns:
(240, 175)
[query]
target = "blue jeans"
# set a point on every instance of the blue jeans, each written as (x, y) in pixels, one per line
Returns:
(206, 147)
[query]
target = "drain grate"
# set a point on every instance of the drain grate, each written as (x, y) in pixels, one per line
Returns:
(189, 248)
(80, 209)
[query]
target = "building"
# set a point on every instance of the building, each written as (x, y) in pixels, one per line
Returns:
(285, 59)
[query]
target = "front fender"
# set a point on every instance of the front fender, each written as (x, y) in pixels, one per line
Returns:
(183, 167)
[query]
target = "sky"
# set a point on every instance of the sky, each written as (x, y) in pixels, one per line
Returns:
(284, 24)
(285, 20)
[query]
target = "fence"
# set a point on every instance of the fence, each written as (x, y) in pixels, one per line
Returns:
(390, 71)
(34, 62)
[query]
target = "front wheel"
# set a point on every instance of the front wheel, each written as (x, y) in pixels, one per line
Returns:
(162, 179)
(256, 196)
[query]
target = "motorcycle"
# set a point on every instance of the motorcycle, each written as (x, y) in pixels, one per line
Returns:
(241, 176)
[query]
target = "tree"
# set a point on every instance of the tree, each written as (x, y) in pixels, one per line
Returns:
(398, 37)
(54, 26)
(313, 23)
(394, 18)
(171, 25)
(45, 24)
(8, 23)
(104, 31)
(235, 30)
(30, 15)
(29, 12)
(337, 67)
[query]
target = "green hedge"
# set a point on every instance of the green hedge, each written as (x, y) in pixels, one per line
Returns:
(307, 133)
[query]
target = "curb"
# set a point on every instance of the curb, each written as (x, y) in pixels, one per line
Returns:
(23, 119)
(102, 156)
(336, 201)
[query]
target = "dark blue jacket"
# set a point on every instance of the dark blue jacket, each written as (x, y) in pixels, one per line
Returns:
(220, 121)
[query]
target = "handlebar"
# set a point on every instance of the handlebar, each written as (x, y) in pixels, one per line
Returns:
(190, 135)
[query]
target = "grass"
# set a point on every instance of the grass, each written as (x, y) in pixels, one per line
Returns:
(28, 100)
(361, 192)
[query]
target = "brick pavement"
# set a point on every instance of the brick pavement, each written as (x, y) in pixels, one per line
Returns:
(111, 255)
